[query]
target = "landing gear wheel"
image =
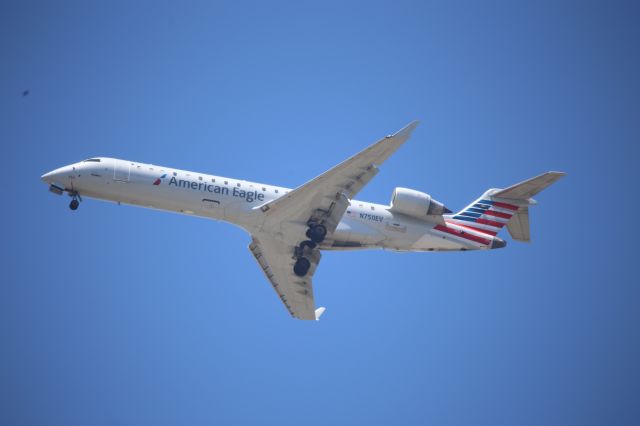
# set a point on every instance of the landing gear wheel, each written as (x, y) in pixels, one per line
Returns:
(307, 243)
(317, 233)
(301, 267)
(73, 205)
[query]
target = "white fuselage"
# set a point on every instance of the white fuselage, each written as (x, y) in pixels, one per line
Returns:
(364, 225)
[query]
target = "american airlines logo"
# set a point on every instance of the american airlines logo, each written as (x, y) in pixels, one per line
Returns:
(159, 180)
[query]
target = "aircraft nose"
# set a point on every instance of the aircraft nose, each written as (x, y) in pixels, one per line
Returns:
(57, 175)
(47, 176)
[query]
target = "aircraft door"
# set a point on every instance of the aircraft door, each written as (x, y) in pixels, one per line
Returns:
(121, 171)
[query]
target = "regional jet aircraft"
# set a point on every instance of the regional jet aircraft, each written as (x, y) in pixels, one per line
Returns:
(290, 227)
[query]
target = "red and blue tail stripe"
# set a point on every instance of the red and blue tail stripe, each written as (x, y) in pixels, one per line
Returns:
(486, 216)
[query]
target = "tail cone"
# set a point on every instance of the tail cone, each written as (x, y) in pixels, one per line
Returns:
(498, 243)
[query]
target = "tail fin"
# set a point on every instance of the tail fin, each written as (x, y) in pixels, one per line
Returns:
(499, 207)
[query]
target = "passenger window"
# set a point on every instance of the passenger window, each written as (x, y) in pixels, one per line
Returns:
(175, 174)
(199, 177)
(276, 191)
(238, 184)
(226, 182)
(264, 189)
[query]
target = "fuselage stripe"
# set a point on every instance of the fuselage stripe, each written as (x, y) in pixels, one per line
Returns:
(462, 234)
(484, 231)
(479, 225)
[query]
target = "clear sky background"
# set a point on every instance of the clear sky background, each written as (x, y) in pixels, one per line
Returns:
(115, 315)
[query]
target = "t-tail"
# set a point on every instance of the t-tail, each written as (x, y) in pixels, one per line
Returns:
(499, 207)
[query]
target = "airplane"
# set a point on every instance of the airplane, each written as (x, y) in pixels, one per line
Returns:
(290, 227)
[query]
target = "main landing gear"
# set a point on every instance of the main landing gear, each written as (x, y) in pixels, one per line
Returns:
(316, 234)
(301, 266)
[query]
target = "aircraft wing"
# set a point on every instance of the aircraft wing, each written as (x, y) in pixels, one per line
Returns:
(323, 199)
(276, 261)
(326, 197)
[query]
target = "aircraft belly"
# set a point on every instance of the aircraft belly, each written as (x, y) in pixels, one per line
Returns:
(161, 198)
(353, 232)
(430, 241)
(433, 240)
(412, 235)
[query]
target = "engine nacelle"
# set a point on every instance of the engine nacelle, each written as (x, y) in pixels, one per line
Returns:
(416, 204)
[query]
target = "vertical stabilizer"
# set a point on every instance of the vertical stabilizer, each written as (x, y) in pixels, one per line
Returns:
(518, 226)
(499, 207)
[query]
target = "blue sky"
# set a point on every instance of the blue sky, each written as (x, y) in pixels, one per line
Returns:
(116, 315)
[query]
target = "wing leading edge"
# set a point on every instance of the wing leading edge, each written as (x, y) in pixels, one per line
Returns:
(327, 196)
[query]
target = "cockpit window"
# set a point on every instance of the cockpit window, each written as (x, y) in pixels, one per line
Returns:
(95, 160)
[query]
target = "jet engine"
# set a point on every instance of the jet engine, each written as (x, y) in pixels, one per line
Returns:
(416, 204)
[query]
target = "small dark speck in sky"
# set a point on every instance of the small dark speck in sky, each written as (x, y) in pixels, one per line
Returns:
(25, 93)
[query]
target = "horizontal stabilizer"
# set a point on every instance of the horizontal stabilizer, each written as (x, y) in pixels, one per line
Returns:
(530, 187)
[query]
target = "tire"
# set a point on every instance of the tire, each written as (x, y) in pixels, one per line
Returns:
(307, 243)
(317, 233)
(301, 267)
(73, 205)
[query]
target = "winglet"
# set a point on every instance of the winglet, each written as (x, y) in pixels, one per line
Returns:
(319, 312)
(406, 130)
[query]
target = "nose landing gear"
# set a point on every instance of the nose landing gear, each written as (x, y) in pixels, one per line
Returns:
(75, 200)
